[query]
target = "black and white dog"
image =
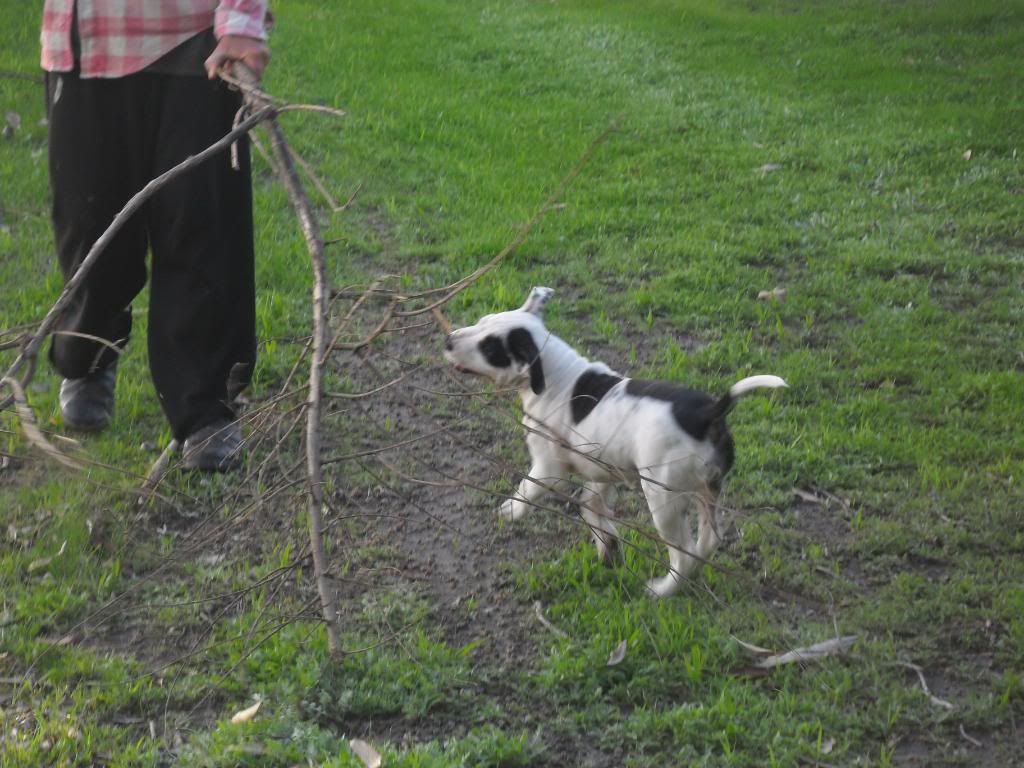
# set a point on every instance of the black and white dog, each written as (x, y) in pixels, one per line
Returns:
(582, 418)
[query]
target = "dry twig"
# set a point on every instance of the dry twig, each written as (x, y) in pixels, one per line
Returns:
(970, 739)
(538, 609)
(924, 686)
(833, 647)
(31, 429)
(314, 242)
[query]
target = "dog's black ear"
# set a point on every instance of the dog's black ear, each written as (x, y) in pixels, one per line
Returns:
(523, 349)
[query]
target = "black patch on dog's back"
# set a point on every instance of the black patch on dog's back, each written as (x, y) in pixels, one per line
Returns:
(590, 387)
(697, 413)
(494, 352)
(690, 408)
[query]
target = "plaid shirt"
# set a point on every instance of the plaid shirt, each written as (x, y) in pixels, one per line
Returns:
(119, 37)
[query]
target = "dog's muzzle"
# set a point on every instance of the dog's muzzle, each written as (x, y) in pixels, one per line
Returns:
(449, 353)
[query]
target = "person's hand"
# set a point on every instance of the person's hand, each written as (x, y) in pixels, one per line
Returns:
(252, 52)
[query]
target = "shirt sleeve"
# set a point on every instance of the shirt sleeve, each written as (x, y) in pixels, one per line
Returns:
(246, 18)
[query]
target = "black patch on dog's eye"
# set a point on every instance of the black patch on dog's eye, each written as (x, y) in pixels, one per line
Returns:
(691, 409)
(494, 352)
(588, 391)
(523, 349)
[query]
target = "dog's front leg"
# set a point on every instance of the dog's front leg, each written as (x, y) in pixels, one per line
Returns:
(541, 479)
(547, 473)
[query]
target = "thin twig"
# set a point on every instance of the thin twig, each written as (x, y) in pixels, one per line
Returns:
(312, 108)
(924, 686)
(368, 393)
(314, 464)
(318, 183)
(970, 739)
(442, 321)
(538, 609)
(389, 314)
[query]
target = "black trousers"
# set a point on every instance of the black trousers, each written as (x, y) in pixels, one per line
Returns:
(108, 138)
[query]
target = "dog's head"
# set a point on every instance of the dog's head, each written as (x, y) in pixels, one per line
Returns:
(506, 347)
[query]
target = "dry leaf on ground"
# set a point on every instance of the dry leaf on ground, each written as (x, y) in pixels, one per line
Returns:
(371, 757)
(617, 655)
(42, 562)
(246, 714)
(775, 294)
(751, 648)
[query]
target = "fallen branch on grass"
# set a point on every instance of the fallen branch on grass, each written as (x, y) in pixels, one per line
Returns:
(837, 646)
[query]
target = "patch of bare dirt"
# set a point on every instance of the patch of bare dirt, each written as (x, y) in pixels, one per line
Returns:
(957, 747)
(460, 451)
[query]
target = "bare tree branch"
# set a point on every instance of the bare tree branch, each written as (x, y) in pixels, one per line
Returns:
(314, 242)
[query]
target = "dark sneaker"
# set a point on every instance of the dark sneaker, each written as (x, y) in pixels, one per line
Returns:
(87, 404)
(216, 447)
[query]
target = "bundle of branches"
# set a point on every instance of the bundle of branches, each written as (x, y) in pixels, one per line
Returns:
(262, 109)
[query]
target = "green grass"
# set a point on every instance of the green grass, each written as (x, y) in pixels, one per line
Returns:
(866, 156)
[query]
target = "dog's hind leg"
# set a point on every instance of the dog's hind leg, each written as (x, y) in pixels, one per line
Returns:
(708, 537)
(669, 510)
(594, 502)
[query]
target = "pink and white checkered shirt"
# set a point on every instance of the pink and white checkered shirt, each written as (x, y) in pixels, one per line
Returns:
(120, 37)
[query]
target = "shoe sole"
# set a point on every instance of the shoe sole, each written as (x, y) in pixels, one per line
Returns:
(93, 426)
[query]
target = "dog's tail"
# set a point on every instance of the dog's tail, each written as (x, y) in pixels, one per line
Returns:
(743, 387)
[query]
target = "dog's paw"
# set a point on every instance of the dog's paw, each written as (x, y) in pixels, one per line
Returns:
(509, 510)
(666, 586)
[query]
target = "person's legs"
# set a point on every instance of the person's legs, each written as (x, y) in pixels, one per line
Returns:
(97, 146)
(95, 159)
(202, 339)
